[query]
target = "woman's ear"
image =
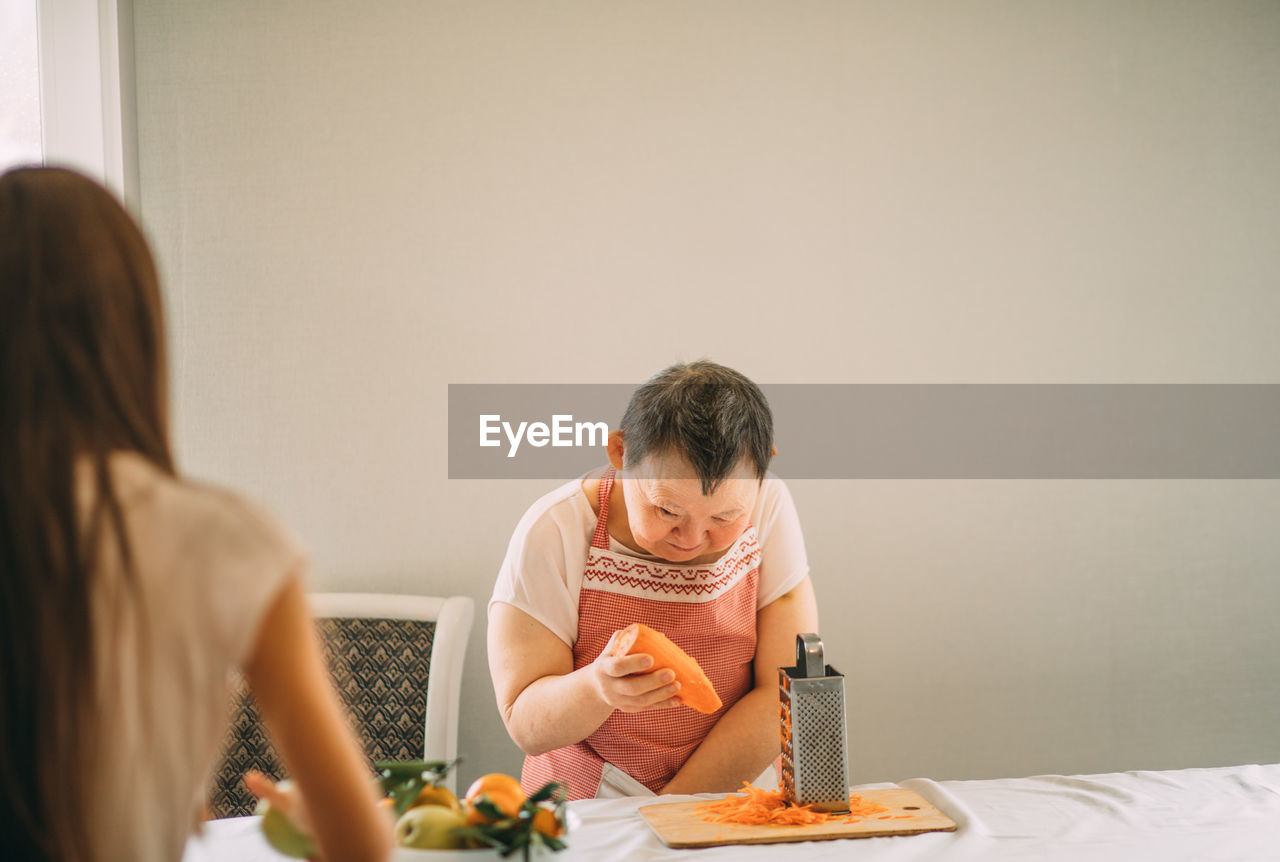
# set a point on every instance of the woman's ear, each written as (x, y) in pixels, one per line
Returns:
(616, 449)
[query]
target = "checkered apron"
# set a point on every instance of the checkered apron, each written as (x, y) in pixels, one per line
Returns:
(709, 611)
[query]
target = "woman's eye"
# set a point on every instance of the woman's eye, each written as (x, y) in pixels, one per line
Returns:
(667, 512)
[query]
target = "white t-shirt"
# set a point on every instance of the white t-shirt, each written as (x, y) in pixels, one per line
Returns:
(208, 566)
(542, 572)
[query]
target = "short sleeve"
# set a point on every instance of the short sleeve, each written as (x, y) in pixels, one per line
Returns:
(783, 561)
(257, 557)
(542, 570)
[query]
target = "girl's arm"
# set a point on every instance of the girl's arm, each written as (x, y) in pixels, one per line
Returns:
(747, 739)
(545, 703)
(287, 675)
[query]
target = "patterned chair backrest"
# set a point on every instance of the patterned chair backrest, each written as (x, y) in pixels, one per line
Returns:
(380, 669)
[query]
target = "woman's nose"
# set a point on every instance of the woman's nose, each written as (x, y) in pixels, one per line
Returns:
(687, 527)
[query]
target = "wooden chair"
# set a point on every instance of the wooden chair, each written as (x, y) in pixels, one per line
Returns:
(396, 661)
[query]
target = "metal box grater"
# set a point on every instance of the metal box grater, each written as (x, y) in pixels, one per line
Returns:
(815, 763)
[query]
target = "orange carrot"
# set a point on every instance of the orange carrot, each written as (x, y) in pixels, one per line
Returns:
(760, 807)
(695, 689)
(860, 809)
(770, 807)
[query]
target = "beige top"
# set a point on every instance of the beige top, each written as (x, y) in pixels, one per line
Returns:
(208, 566)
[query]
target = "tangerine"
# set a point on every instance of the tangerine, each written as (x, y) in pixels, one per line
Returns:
(502, 791)
(435, 795)
(546, 822)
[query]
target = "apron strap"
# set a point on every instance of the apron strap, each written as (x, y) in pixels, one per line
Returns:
(600, 539)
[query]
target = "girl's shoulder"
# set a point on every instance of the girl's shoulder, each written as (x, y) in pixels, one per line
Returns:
(202, 516)
(211, 557)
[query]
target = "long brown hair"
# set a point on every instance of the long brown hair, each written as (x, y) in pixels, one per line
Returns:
(82, 375)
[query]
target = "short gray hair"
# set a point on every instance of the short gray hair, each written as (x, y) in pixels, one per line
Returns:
(708, 413)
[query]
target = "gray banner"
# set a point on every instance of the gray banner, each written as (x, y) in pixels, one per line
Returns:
(942, 431)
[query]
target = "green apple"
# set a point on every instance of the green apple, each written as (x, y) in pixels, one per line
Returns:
(282, 834)
(430, 827)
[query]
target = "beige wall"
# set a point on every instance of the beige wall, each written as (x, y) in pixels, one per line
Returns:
(355, 205)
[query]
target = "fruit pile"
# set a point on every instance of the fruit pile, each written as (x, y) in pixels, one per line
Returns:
(494, 812)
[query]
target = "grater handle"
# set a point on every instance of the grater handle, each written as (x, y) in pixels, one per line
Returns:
(809, 658)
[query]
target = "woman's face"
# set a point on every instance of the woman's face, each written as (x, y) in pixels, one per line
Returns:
(671, 518)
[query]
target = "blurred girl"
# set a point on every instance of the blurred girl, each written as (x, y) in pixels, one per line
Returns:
(128, 593)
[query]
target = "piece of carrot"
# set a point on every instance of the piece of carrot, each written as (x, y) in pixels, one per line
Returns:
(696, 690)
(860, 809)
(759, 807)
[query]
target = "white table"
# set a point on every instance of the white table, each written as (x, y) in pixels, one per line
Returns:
(1229, 814)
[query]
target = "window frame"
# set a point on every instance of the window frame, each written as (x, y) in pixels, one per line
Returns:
(88, 116)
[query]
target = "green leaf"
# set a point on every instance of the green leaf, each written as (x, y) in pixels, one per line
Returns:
(519, 841)
(553, 843)
(552, 790)
(438, 769)
(405, 793)
(486, 807)
(480, 833)
(403, 780)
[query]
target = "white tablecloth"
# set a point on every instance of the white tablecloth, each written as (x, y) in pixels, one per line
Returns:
(1227, 814)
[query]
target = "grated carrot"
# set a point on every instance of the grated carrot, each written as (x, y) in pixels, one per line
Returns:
(860, 809)
(758, 807)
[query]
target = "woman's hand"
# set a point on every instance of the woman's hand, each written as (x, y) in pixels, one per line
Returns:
(622, 683)
(545, 703)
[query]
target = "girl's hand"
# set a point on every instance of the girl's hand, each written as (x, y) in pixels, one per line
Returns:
(284, 797)
(625, 682)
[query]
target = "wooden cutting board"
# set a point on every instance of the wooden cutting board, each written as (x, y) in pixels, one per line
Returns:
(679, 824)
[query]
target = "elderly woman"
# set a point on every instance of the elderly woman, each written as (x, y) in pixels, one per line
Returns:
(686, 531)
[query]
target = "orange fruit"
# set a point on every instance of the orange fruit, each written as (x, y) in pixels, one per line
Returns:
(507, 803)
(495, 781)
(435, 795)
(503, 791)
(546, 822)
